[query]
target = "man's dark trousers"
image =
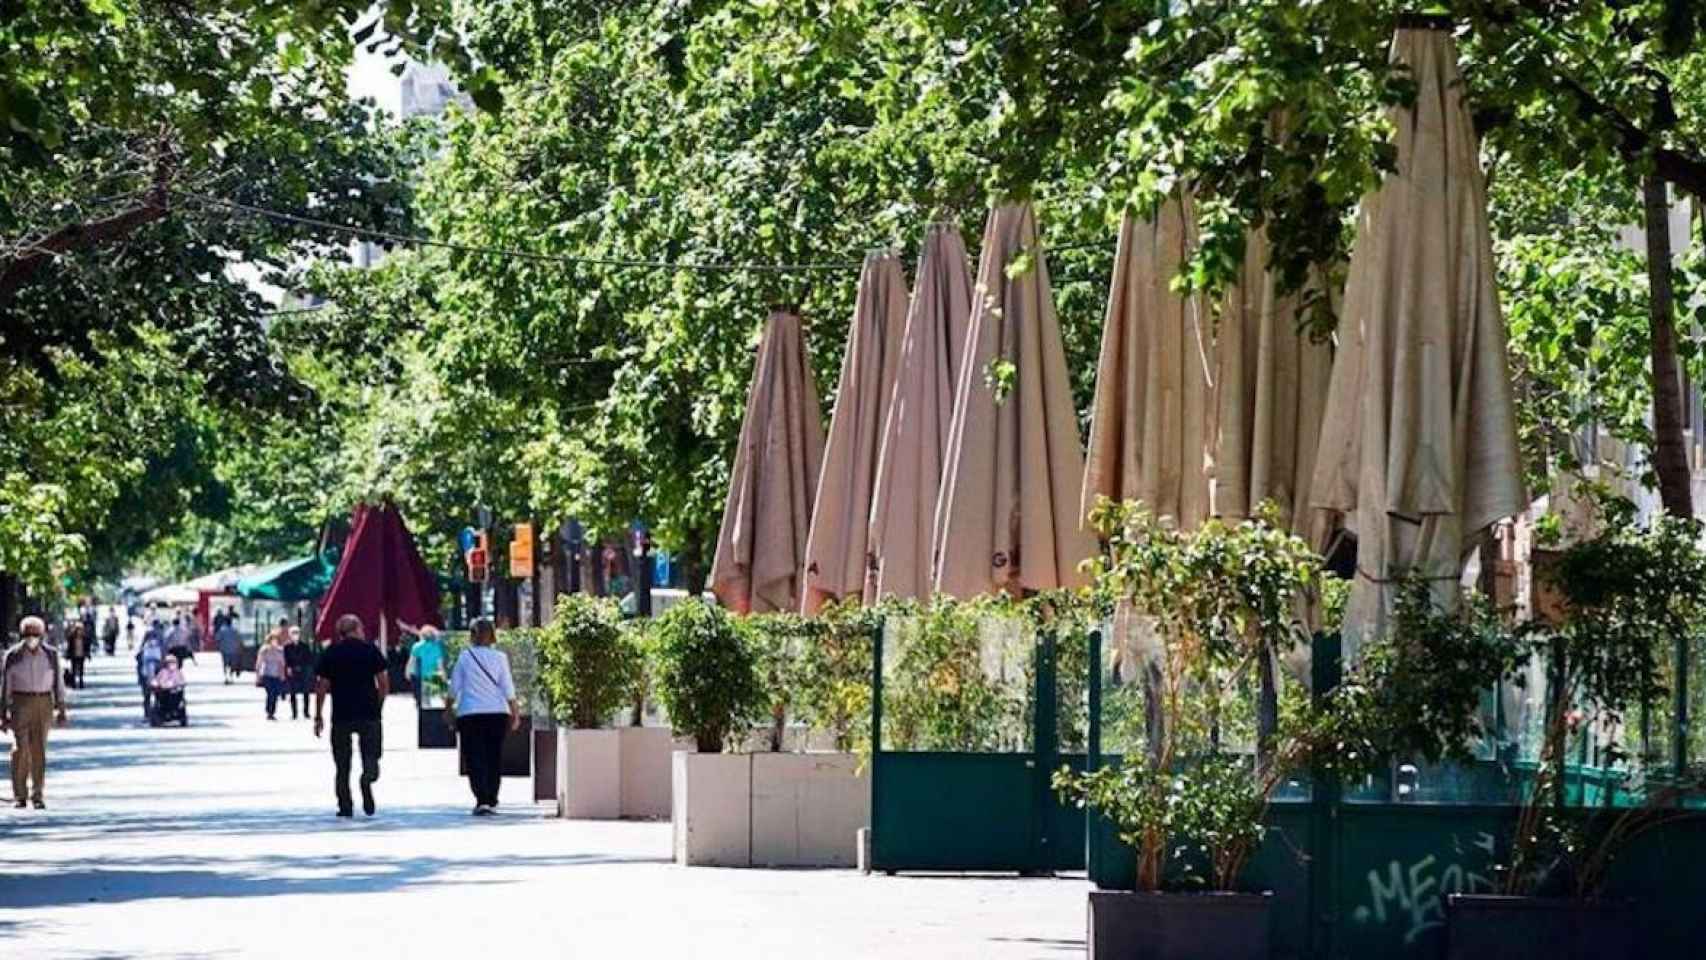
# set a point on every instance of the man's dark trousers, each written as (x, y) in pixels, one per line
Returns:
(367, 731)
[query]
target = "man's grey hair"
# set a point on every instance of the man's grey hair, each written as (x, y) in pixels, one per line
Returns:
(32, 625)
(349, 625)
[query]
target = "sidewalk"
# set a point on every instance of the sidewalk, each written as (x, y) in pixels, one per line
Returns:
(219, 841)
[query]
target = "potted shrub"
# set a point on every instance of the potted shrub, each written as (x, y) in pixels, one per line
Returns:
(1626, 602)
(705, 673)
(1218, 604)
(588, 669)
(808, 803)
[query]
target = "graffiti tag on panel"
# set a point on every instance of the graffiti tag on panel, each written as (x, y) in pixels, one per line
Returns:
(1413, 894)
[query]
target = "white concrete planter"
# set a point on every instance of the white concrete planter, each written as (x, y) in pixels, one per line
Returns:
(621, 773)
(711, 809)
(768, 809)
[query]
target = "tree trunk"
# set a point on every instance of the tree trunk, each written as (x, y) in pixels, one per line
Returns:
(693, 571)
(1670, 454)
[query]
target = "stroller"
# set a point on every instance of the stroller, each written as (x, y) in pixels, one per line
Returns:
(168, 702)
(169, 707)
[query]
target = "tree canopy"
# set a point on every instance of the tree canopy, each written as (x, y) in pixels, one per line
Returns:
(544, 361)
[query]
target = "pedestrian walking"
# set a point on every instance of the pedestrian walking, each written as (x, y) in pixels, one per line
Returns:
(226, 637)
(352, 671)
(426, 661)
(299, 670)
(32, 696)
(76, 651)
(148, 659)
(482, 693)
(129, 633)
(271, 671)
(109, 633)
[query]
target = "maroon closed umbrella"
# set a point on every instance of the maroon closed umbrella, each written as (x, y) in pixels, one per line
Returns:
(380, 579)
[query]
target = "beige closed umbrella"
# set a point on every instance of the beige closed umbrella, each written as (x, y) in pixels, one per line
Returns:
(1007, 518)
(841, 521)
(761, 547)
(915, 436)
(1151, 418)
(1419, 451)
(1270, 400)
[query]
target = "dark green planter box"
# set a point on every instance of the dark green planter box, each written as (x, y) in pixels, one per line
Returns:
(1178, 926)
(432, 732)
(1538, 928)
(518, 750)
(544, 765)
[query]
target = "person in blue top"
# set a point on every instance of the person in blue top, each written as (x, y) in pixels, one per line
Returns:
(426, 660)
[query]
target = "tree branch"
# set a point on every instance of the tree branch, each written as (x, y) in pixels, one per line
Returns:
(25, 266)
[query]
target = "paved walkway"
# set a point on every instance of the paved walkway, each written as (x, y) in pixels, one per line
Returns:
(218, 841)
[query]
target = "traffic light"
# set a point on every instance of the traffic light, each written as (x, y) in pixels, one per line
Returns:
(478, 559)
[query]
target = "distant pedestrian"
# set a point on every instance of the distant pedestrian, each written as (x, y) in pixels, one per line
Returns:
(353, 672)
(226, 637)
(192, 634)
(109, 633)
(426, 661)
(129, 633)
(482, 693)
(148, 660)
(271, 671)
(32, 693)
(76, 651)
(299, 670)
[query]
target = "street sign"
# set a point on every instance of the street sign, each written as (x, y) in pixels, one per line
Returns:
(521, 552)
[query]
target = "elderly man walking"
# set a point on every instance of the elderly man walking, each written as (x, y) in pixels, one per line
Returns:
(353, 672)
(32, 691)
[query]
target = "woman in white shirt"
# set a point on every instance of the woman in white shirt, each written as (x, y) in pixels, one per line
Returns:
(482, 692)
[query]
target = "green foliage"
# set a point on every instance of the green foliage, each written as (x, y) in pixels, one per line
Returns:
(960, 679)
(1220, 604)
(706, 673)
(588, 664)
(521, 646)
(818, 669)
(1416, 691)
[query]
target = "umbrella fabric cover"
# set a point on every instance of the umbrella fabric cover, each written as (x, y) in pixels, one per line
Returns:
(837, 544)
(761, 547)
(380, 579)
(1150, 421)
(1270, 397)
(915, 437)
(1419, 451)
(1007, 518)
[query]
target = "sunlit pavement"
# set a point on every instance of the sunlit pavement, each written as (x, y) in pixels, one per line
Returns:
(219, 840)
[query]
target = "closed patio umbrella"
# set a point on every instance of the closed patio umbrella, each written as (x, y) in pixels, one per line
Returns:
(915, 435)
(380, 579)
(1150, 421)
(1270, 398)
(841, 520)
(1419, 451)
(1007, 519)
(761, 546)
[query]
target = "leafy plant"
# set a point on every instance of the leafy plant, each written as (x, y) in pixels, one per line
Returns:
(941, 694)
(1632, 598)
(521, 646)
(588, 665)
(1220, 604)
(706, 673)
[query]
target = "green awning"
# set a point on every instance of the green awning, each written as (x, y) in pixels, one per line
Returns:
(305, 578)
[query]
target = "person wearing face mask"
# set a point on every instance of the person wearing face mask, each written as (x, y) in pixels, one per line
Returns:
(32, 692)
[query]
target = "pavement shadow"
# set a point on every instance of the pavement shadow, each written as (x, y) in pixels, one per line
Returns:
(57, 825)
(109, 880)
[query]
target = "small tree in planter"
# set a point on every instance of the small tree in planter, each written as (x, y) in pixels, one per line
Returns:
(1629, 601)
(706, 673)
(1220, 603)
(588, 665)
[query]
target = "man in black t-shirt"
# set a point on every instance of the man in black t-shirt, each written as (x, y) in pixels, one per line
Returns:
(353, 672)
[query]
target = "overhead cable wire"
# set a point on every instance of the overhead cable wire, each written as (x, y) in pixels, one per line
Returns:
(415, 240)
